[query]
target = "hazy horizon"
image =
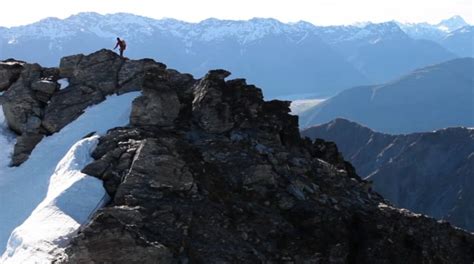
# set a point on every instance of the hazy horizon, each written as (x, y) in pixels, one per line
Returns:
(324, 12)
(228, 19)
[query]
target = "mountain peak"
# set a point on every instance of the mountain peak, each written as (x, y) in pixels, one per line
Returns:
(344, 123)
(384, 27)
(454, 20)
(85, 15)
(452, 24)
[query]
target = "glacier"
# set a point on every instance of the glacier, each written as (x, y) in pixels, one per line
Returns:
(45, 200)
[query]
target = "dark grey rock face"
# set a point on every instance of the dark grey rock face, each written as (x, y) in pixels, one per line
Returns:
(28, 87)
(160, 105)
(427, 173)
(235, 183)
(20, 106)
(10, 71)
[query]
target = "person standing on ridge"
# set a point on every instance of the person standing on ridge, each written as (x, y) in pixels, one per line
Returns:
(121, 45)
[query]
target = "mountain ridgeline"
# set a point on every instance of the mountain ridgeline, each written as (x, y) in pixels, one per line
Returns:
(430, 173)
(427, 99)
(300, 58)
(207, 171)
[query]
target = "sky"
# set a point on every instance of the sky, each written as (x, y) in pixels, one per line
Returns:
(319, 12)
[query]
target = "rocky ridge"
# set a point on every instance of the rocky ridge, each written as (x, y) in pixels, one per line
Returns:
(207, 171)
(35, 106)
(428, 172)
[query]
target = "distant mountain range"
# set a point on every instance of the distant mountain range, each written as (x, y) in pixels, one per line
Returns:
(427, 99)
(454, 34)
(283, 59)
(430, 173)
(434, 32)
(382, 51)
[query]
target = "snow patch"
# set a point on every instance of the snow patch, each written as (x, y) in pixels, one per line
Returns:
(71, 198)
(7, 141)
(43, 192)
(64, 82)
(444, 28)
(375, 41)
(299, 106)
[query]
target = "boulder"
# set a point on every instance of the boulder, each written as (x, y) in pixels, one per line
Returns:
(98, 70)
(132, 73)
(45, 86)
(211, 112)
(20, 104)
(159, 105)
(24, 146)
(68, 65)
(10, 71)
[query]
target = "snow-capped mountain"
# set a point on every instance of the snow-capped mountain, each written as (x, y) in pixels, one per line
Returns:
(440, 32)
(383, 50)
(135, 28)
(265, 51)
(451, 24)
(368, 33)
(423, 31)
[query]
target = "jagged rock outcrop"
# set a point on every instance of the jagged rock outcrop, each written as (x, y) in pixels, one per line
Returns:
(160, 105)
(208, 172)
(430, 173)
(23, 102)
(35, 106)
(10, 71)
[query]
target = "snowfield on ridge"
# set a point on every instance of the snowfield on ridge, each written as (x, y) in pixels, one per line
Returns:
(52, 197)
